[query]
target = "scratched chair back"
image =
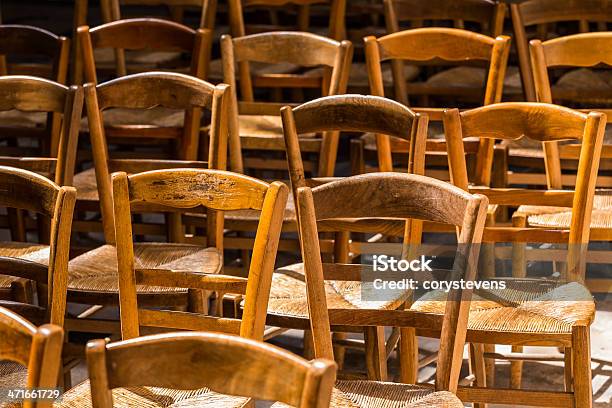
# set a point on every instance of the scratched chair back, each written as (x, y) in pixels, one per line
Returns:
(194, 190)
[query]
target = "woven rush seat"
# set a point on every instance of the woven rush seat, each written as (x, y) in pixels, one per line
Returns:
(96, 270)
(106, 56)
(359, 74)
(12, 375)
(560, 217)
(152, 397)
(472, 77)
(525, 306)
(21, 119)
(378, 394)
(22, 250)
(86, 185)
(260, 126)
(215, 69)
(288, 294)
(597, 85)
(157, 116)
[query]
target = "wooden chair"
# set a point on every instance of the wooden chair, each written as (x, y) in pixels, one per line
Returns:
(30, 356)
(449, 44)
(540, 19)
(54, 153)
(108, 59)
(544, 312)
(93, 275)
(190, 189)
(201, 369)
(437, 81)
(256, 125)
(158, 123)
(34, 45)
(237, 10)
(175, 133)
(28, 41)
(581, 50)
(288, 306)
(35, 275)
(395, 196)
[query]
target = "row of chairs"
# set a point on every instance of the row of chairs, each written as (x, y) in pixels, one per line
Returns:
(385, 195)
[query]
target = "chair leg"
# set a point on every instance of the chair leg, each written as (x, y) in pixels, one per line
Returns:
(490, 365)
(569, 375)
(516, 369)
(408, 355)
(308, 345)
(376, 353)
(477, 367)
(519, 270)
(581, 356)
(339, 351)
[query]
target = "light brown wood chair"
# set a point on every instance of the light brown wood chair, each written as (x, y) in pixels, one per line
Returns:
(136, 60)
(390, 196)
(288, 307)
(54, 151)
(578, 87)
(146, 33)
(162, 132)
(431, 82)
(580, 50)
(35, 275)
(426, 44)
(204, 370)
(30, 356)
(22, 52)
(28, 42)
(193, 189)
(531, 311)
(256, 125)
(93, 275)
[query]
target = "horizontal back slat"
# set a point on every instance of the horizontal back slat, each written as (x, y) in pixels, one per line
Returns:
(143, 33)
(187, 321)
(216, 189)
(537, 121)
(443, 43)
(192, 280)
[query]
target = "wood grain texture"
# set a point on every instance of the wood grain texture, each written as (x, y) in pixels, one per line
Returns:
(186, 189)
(37, 348)
(225, 364)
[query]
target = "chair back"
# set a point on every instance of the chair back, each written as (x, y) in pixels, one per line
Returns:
(24, 190)
(34, 42)
(297, 48)
(225, 364)
(590, 50)
(448, 44)
(39, 349)
(143, 34)
(194, 190)
(148, 90)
